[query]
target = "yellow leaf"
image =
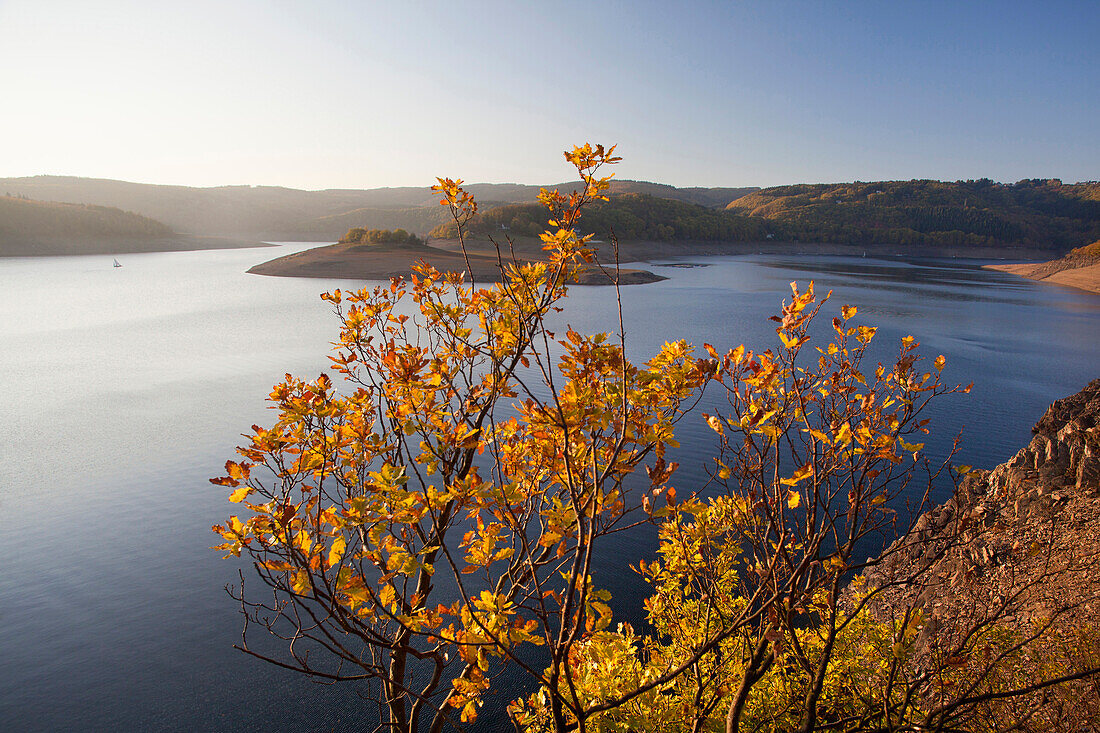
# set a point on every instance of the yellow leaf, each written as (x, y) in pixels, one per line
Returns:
(715, 424)
(939, 363)
(336, 552)
(793, 499)
(799, 476)
(301, 584)
(848, 311)
(238, 496)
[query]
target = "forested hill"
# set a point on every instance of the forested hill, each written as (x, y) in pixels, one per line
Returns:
(632, 216)
(31, 228)
(23, 219)
(274, 213)
(1035, 214)
(1038, 213)
(909, 215)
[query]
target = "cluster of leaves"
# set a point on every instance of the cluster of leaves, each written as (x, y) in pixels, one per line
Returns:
(359, 235)
(1045, 214)
(362, 498)
(749, 617)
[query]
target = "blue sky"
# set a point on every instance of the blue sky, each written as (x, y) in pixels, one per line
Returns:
(364, 94)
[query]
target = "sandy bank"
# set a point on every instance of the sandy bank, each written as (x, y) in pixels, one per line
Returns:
(383, 261)
(1079, 269)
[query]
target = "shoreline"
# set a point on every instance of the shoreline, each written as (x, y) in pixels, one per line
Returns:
(383, 261)
(1070, 272)
(113, 246)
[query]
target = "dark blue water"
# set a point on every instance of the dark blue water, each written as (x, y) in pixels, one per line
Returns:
(125, 389)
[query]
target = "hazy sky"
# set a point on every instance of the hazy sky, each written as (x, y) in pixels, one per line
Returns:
(362, 94)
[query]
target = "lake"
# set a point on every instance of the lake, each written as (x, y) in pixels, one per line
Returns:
(125, 389)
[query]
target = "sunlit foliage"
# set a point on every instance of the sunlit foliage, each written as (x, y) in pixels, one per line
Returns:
(429, 517)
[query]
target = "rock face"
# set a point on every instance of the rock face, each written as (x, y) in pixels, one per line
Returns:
(1066, 447)
(1056, 476)
(1017, 547)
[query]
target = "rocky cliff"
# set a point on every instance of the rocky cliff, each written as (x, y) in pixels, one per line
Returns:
(1017, 549)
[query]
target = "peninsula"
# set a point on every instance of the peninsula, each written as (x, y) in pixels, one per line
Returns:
(384, 260)
(1080, 269)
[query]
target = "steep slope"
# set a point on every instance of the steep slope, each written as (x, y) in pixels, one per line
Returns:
(1017, 547)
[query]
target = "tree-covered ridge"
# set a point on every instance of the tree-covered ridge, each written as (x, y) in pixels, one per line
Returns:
(419, 219)
(1033, 212)
(25, 219)
(277, 213)
(361, 235)
(630, 216)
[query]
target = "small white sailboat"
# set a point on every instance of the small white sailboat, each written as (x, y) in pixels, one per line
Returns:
(117, 263)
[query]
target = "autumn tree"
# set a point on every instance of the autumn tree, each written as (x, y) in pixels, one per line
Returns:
(441, 505)
(430, 516)
(760, 615)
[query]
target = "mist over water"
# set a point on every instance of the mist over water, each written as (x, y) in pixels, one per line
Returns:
(125, 389)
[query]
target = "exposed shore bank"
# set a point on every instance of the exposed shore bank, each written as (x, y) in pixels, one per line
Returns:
(1079, 269)
(383, 261)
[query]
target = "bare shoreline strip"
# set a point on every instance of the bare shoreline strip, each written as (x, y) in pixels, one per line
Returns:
(1085, 278)
(383, 261)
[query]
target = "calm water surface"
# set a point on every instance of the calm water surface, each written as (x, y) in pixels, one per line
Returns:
(126, 388)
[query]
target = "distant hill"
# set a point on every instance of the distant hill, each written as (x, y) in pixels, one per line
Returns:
(275, 213)
(631, 216)
(1046, 214)
(414, 219)
(907, 215)
(716, 198)
(29, 227)
(24, 217)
